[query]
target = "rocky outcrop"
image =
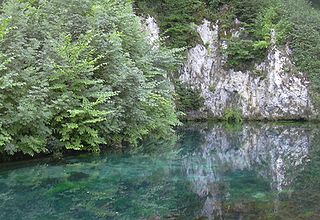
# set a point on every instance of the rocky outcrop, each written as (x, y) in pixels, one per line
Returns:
(272, 90)
(153, 31)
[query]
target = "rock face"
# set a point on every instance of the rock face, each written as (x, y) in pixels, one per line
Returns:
(153, 31)
(273, 90)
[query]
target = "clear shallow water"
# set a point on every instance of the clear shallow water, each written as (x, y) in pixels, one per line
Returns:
(254, 171)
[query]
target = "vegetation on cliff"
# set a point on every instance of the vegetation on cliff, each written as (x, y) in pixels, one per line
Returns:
(295, 22)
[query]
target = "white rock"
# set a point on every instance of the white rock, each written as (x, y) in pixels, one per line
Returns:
(278, 93)
(153, 31)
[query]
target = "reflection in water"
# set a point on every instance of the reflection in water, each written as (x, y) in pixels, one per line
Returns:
(275, 153)
(211, 172)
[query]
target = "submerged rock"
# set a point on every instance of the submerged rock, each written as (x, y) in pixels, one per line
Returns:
(78, 176)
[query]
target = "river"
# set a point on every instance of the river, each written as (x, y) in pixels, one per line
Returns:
(207, 171)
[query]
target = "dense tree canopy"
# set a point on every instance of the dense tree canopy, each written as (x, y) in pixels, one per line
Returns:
(79, 74)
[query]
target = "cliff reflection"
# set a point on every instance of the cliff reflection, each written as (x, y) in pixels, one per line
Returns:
(272, 154)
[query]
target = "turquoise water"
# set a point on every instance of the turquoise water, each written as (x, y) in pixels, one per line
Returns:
(253, 171)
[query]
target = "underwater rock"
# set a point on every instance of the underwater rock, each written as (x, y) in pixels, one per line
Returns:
(78, 176)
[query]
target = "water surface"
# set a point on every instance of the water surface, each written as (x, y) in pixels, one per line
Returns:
(219, 171)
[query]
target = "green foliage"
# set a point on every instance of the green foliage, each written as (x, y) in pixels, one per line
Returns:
(233, 115)
(304, 39)
(79, 78)
(77, 96)
(247, 10)
(233, 127)
(212, 88)
(176, 19)
(188, 99)
(295, 23)
(271, 19)
(258, 19)
(315, 3)
(24, 87)
(242, 54)
(85, 76)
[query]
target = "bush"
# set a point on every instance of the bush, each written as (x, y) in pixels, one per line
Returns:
(304, 38)
(188, 99)
(79, 78)
(233, 115)
(176, 19)
(243, 54)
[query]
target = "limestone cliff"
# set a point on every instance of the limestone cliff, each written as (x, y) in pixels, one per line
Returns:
(272, 90)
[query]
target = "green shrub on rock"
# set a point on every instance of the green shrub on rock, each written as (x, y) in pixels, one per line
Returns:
(233, 115)
(188, 99)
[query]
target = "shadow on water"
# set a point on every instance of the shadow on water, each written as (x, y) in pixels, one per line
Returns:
(206, 171)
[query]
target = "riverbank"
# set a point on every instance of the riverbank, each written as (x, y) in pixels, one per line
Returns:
(60, 155)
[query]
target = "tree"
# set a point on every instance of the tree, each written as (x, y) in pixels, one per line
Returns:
(79, 74)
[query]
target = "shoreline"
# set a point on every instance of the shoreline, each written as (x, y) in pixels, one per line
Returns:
(59, 156)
